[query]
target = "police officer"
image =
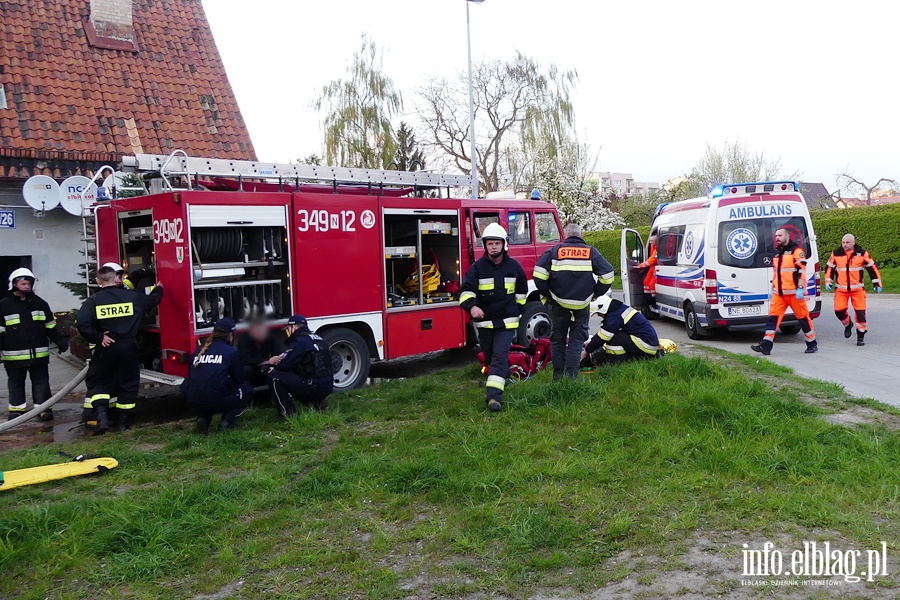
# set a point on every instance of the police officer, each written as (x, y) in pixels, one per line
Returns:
(26, 325)
(788, 288)
(624, 335)
(564, 276)
(215, 383)
(109, 321)
(304, 371)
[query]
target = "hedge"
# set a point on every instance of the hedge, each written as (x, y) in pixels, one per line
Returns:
(609, 243)
(877, 229)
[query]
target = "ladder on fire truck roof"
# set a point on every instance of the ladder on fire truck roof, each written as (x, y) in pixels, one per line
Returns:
(180, 165)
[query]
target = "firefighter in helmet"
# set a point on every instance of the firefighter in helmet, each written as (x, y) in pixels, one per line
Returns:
(493, 292)
(26, 328)
(305, 371)
(849, 261)
(788, 287)
(109, 321)
(624, 335)
(568, 276)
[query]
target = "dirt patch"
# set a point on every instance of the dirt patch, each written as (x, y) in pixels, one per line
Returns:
(226, 591)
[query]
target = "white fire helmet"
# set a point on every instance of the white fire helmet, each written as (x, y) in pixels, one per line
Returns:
(18, 273)
(495, 231)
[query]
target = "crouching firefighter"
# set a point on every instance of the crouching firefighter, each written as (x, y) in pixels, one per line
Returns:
(109, 321)
(215, 383)
(26, 328)
(493, 292)
(788, 288)
(625, 334)
(304, 372)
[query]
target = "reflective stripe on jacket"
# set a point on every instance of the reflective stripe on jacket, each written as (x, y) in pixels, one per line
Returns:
(565, 273)
(850, 268)
(621, 317)
(789, 269)
(498, 290)
(26, 328)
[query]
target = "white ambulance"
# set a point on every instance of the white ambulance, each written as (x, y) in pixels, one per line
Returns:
(714, 254)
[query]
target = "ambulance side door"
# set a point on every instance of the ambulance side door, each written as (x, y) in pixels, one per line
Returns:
(631, 254)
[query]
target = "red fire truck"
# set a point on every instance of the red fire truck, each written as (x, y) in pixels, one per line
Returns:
(372, 263)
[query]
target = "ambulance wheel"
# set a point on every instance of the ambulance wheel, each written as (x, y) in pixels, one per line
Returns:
(534, 324)
(350, 359)
(790, 329)
(692, 323)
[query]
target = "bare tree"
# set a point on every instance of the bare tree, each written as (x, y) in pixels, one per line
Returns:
(734, 163)
(848, 182)
(517, 103)
(358, 112)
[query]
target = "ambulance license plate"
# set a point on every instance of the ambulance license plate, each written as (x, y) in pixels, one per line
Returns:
(743, 311)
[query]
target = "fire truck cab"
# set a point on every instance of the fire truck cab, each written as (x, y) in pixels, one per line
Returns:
(373, 265)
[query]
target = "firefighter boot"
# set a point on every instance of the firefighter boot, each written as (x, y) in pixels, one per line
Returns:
(226, 425)
(46, 415)
(860, 338)
(811, 347)
(202, 425)
(124, 420)
(102, 420)
(848, 329)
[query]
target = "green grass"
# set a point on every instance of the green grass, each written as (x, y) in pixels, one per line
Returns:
(414, 479)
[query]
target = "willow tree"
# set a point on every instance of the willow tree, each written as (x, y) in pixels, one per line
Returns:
(358, 110)
(518, 104)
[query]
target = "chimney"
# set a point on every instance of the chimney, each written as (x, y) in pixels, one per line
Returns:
(112, 19)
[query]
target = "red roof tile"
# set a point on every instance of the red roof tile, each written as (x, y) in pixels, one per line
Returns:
(65, 95)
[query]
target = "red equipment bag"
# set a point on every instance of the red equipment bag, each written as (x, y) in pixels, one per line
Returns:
(523, 362)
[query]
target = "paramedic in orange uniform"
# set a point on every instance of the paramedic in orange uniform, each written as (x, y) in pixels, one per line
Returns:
(849, 261)
(650, 276)
(788, 287)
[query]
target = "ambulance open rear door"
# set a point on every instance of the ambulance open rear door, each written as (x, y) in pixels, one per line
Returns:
(631, 255)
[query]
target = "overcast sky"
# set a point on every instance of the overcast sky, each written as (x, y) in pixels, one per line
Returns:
(813, 83)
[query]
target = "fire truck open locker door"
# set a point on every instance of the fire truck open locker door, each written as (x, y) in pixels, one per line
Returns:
(422, 277)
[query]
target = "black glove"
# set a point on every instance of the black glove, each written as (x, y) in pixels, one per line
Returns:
(63, 345)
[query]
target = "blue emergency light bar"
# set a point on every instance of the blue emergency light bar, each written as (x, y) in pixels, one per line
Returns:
(754, 188)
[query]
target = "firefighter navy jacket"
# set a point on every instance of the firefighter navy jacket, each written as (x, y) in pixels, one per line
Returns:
(565, 274)
(25, 327)
(622, 318)
(499, 290)
(117, 310)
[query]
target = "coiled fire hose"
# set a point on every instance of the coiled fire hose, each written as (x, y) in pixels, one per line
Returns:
(42, 407)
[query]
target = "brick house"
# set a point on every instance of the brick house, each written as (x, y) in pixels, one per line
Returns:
(84, 82)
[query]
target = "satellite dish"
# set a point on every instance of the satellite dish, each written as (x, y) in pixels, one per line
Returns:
(41, 192)
(77, 194)
(117, 179)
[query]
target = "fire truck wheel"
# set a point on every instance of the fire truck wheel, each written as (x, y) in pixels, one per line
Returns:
(350, 358)
(534, 324)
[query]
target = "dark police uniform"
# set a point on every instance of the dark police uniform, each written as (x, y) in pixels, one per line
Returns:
(215, 383)
(114, 371)
(26, 325)
(305, 371)
(253, 354)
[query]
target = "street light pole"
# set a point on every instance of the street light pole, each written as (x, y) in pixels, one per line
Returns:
(472, 105)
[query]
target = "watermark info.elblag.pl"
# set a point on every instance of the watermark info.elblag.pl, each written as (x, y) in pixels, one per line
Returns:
(815, 564)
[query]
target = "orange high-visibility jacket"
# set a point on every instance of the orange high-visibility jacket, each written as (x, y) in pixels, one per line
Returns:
(789, 269)
(650, 265)
(850, 267)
